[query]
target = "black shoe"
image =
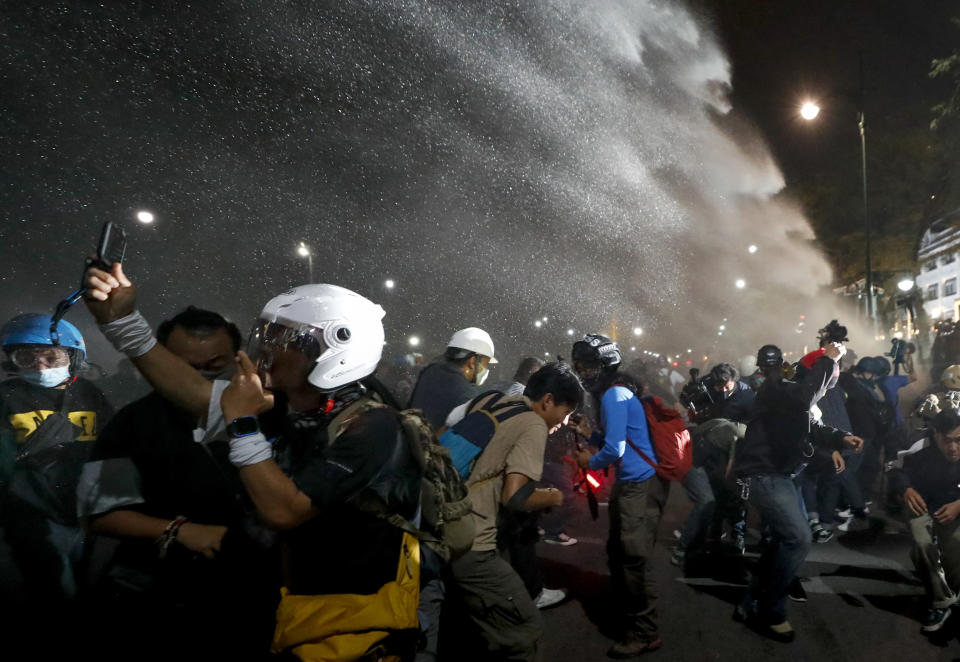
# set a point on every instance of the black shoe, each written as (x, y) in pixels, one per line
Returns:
(935, 619)
(796, 592)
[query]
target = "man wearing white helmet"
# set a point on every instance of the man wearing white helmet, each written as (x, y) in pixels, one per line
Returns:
(443, 386)
(312, 346)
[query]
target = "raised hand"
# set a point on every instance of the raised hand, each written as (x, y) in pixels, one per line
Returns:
(110, 294)
(245, 396)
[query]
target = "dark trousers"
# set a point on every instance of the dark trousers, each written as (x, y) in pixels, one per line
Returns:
(517, 538)
(635, 510)
(497, 603)
(781, 509)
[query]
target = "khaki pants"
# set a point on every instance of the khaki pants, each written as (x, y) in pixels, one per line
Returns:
(635, 510)
(936, 554)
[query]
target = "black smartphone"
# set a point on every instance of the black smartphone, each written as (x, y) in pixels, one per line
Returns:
(112, 245)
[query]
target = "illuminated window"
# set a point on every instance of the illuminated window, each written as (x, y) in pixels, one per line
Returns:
(949, 287)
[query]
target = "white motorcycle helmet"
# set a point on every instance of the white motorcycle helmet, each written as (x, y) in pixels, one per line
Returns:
(339, 329)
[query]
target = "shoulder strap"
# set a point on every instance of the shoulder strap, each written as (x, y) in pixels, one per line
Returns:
(496, 397)
(345, 417)
(642, 454)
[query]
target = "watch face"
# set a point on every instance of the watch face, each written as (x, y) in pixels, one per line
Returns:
(240, 427)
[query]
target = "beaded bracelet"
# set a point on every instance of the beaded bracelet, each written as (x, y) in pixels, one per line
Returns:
(170, 534)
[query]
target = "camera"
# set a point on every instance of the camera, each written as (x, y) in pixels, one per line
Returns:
(832, 332)
(699, 395)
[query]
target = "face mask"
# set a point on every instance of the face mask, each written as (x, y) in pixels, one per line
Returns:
(480, 377)
(47, 378)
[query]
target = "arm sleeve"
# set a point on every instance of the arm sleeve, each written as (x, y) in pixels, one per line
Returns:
(614, 410)
(456, 414)
(813, 386)
(214, 427)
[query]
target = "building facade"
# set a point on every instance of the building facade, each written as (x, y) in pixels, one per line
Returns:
(940, 268)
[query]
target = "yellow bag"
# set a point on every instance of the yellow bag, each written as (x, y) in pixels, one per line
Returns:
(329, 628)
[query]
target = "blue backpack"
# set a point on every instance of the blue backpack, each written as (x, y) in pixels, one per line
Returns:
(469, 437)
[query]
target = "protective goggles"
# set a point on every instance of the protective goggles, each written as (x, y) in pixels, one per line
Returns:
(41, 356)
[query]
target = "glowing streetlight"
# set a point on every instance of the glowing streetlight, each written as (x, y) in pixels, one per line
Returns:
(544, 319)
(414, 341)
(809, 110)
(637, 331)
(303, 251)
(388, 283)
(741, 283)
(570, 332)
(905, 285)
(145, 217)
(538, 324)
(752, 248)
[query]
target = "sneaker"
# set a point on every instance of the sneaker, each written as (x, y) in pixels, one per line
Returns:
(633, 646)
(796, 592)
(854, 524)
(560, 539)
(677, 557)
(549, 597)
(820, 533)
(845, 514)
(781, 632)
(741, 544)
(935, 619)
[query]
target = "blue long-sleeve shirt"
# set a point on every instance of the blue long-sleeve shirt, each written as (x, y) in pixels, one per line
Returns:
(622, 416)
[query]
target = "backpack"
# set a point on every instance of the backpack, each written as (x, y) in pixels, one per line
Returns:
(446, 524)
(469, 437)
(670, 439)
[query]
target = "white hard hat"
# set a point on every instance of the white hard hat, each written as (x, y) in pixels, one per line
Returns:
(344, 328)
(473, 340)
(748, 365)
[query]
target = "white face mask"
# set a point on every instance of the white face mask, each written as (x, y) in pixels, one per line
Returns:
(46, 378)
(481, 376)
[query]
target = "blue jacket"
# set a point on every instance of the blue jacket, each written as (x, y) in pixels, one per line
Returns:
(622, 416)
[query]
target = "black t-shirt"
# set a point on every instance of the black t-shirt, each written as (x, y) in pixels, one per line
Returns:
(26, 406)
(343, 550)
(440, 389)
(44, 481)
(156, 461)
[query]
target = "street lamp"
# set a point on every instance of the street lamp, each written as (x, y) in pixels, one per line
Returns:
(905, 285)
(389, 284)
(303, 251)
(145, 217)
(809, 111)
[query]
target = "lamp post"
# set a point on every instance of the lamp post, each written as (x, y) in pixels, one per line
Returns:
(809, 111)
(304, 251)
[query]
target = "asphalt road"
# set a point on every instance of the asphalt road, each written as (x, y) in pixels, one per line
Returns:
(865, 603)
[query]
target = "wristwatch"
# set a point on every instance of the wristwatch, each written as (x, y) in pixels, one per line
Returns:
(243, 427)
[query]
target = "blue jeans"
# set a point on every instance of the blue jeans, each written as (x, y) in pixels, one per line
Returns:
(776, 498)
(697, 486)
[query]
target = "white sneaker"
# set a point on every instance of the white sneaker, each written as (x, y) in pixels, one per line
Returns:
(549, 597)
(854, 524)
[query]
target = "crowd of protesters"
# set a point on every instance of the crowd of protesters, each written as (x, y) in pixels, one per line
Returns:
(302, 499)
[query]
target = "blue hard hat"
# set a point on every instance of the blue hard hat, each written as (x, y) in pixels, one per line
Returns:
(34, 329)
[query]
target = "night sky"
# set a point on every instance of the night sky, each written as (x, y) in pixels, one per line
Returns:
(502, 163)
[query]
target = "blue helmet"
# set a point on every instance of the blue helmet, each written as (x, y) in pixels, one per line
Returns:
(34, 329)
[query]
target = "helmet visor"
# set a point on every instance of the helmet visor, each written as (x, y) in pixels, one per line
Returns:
(266, 338)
